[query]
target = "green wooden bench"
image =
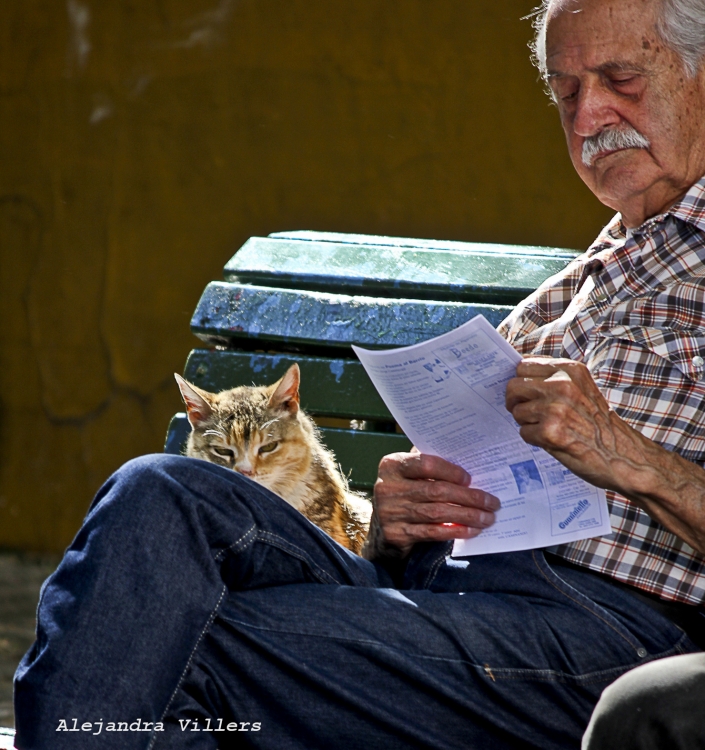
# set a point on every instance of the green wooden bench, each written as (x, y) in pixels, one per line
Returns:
(306, 297)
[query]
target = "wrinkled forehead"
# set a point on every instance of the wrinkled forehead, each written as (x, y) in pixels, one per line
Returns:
(609, 7)
(607, 16)
(598, 27)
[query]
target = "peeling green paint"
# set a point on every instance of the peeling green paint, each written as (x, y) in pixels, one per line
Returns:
(228, 312)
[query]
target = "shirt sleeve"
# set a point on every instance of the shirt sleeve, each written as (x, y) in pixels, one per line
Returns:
(544, 305)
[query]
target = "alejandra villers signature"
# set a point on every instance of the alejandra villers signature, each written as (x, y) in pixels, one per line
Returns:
(186, 725)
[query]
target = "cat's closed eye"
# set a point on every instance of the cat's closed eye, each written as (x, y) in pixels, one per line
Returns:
(224, 452)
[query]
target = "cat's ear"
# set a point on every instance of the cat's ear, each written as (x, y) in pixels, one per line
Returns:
(286, 393)
(197, 406)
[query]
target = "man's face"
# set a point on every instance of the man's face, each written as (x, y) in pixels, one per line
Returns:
(609, 70)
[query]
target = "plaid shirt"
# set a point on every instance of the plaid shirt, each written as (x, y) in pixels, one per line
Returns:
(632, 308)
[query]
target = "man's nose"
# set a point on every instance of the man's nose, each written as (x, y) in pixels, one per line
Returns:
(595, 110)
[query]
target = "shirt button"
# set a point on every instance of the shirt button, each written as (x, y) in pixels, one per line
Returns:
(641, 652)
(698, 361)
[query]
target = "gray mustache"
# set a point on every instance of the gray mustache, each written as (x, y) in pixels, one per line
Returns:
(612, 140)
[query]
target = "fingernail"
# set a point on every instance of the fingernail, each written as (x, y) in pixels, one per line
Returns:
(486, 518)
(492, 502)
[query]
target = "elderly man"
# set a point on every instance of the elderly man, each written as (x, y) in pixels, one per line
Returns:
(201, 611)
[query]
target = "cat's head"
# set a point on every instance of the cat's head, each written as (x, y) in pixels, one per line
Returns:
(258, 431)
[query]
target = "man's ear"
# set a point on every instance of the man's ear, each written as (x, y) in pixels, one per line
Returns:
(196, 400)
(286, 391)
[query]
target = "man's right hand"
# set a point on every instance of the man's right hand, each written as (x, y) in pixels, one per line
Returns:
(423, 498)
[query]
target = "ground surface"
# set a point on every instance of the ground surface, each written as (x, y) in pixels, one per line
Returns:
(21, 577)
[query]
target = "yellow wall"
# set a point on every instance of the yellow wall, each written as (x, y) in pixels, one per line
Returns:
(143, 141)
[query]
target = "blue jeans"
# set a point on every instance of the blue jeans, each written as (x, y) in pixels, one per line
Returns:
(194, 599)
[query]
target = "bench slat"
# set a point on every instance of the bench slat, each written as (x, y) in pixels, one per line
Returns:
(413, 242)
(464, 272)
(329, 387)
(359, 452)
(227, 312)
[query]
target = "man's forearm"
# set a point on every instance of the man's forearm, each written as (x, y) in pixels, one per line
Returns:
(667, 486)
(618, 457)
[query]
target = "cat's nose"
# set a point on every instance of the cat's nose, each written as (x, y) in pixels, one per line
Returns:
(246, 472)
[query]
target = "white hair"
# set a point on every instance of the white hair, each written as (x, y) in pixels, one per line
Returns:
(680, 24)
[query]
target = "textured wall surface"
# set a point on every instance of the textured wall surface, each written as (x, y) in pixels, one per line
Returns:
(143, 141)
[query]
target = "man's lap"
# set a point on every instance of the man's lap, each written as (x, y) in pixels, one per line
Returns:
(517, 665)
(307, 638)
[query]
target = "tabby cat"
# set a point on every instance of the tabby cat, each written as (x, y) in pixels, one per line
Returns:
(262, 433)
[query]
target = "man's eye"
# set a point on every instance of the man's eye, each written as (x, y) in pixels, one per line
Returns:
(564, 92)
(626, 84)
(225, 452)
(268, 448)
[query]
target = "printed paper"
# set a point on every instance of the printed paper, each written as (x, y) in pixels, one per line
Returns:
(447, 394)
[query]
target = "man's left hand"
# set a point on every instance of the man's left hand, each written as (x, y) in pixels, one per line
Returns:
(560, 409)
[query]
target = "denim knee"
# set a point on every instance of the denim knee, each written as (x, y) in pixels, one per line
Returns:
(159, 482)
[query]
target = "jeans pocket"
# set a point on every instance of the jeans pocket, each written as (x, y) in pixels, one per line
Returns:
(651, 634)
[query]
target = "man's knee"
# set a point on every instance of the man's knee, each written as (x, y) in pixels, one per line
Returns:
(160, 474)
(141, 477)
(155, 488)
(657, 706)
(156, 467)
(151, 487)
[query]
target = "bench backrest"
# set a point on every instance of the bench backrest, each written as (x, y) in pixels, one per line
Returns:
(306, 297)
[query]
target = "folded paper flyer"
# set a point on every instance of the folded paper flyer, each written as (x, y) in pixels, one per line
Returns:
(447, 394)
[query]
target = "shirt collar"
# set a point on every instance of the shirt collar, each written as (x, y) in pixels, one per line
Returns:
(691, 208)
(612, 239)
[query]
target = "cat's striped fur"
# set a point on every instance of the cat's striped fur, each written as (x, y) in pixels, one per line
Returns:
(261, 432)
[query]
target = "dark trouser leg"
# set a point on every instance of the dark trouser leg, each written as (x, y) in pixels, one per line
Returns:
(658, 706)
(120, 620)
(500, 653)
(191, 593)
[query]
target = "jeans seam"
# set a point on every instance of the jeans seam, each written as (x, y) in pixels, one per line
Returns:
(209, 622)
(285, 545)
(269, 537)
(251, 532)
(347, 639)
(507, 673)
(433, 572)
(501, 673)
(550, 675)
(582, 604)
